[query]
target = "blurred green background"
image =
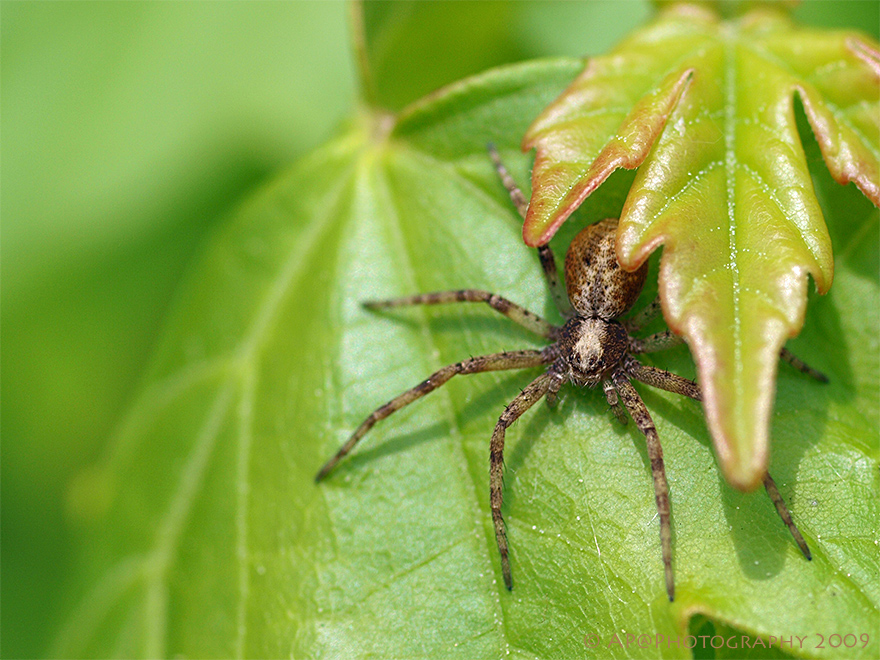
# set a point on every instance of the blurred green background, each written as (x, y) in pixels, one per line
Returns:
(128, 130)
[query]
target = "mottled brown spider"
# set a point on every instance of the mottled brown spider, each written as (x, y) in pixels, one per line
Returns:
(594, 346)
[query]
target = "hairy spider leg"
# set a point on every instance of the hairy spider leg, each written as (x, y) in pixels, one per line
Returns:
(529, 397)
(787, 356)
(511, 310)
(519, 200)
(555, 385)
(678, 385)
(785, 514)
(474, 365)
(659, 341)
(545, 254)
(662, 379)
(639, 412)
(551, 274)
(667, 339)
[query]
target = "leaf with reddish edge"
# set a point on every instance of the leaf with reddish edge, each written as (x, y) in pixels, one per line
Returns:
(706, 108)
(629, 144)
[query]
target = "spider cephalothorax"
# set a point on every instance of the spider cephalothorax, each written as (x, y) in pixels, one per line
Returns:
(593, 346)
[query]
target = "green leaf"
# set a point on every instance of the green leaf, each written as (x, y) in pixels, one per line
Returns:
(706, 109)
(729, 8)
(202, 531)
(128, 130)
(407, 49)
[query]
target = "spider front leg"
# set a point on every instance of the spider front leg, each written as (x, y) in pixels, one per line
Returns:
(511, 310)
(529, 397)
(660, 341)
(556, 384)
(545, 254)
(496, 362)
(639, 412)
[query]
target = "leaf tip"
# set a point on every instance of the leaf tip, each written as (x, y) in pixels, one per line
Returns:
(744, 476)
(740, 441)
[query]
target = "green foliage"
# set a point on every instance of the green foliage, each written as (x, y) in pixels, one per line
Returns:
(705, 108)
(200, 532)
(128, 130)
(210, 515)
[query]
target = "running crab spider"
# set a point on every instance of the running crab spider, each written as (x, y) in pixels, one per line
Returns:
(593, 347)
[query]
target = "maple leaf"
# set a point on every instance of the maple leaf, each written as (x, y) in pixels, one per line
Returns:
(706, 107)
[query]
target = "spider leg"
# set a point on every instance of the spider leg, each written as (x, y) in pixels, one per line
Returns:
(529, 397)
(644, 317)
(673, 383)
(785, 514)
(545, 254)
(659, 341)
(611, 396)
(511, 310)
(639, 412)
(560, 296)
(662, 379)
(787, 356)
(519, 200)
(496, 362)
(668, 339)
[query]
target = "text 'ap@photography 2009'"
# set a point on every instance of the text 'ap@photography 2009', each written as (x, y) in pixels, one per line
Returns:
(644, 641)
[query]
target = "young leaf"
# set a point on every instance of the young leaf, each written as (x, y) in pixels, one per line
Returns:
(706, 108)
(208, 537)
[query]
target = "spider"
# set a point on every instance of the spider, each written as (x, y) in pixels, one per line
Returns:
(593, 347)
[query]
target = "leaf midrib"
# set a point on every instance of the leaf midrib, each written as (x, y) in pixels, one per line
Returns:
(405, 264)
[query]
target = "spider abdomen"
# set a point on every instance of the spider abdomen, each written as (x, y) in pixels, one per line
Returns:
(597, 286)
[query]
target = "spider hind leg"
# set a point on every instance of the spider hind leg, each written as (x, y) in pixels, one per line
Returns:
(787, 356)
(785, 514)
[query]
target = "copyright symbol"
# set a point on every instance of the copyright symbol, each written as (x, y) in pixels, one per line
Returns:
(591, 641)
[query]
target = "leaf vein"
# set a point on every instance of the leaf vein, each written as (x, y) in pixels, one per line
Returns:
(694, 179)
(245, 435)
(172, 524)
(455, 430)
